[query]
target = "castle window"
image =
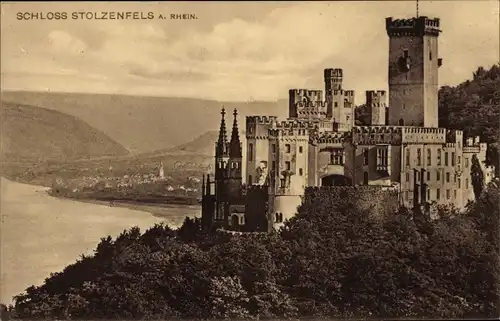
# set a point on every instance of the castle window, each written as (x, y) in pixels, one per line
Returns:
(279, 217)
(336, 104)
(383, 157)
(429, 157)
(250, 180)
(406, 195)
(430, 55)
(466, 162)
(455, 193)
(452, 159)
(419, 156)
(428, 176)
(448, 194)
(405, 53)
(336, 157)
(407, 177)
(300, 171)
(447, 177)
(288, 166)
(438, 194)
(274, 148)
(439, 156)
(287, 148)
(418, 176)
(408, 157)
(438, 176)
(347, 118)
(459, 183)
(250, 152)
(401, 121)
(467, 183)
(459, 159)
(365, 156)
(446, 159)
(365, 178)
(300, 149)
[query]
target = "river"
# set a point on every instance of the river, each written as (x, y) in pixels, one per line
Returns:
(41, 234)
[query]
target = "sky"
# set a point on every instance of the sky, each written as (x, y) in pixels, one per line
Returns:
(232, 51)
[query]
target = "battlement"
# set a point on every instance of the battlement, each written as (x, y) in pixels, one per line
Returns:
(375, 96)
(419, 26)
(261, 119)
(333, 73)
(349, 93)
(377, 130)
(331, 137)
(423, 130)
(315, 104)
(292, 123)
(289, 132)
(313, 95)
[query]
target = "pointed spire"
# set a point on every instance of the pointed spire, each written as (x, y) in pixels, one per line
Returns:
(221, 148)
(235, 144)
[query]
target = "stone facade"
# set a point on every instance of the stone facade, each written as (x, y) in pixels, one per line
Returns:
(403, 150)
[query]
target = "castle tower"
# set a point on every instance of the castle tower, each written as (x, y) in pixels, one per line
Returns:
(413, 71)
(340, 103)
(221, 174)
(376, 102)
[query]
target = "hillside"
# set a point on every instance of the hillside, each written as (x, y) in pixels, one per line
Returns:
(146, 124)
(202, 145)
(32, 135)
(474, 106)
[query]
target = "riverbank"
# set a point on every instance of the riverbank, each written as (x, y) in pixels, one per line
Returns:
(166, 211)
(41, 234)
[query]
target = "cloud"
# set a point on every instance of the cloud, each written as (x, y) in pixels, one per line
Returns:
(238, 58)
(63, 42)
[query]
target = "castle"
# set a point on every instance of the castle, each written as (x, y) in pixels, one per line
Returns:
(403, 149)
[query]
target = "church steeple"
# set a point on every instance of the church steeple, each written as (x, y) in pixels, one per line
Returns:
(221, 146)
(235, 144)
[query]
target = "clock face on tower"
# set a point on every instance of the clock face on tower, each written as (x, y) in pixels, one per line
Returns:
(404, 64)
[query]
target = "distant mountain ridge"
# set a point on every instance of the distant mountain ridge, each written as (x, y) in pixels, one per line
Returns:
(33, 134)
(147, 124)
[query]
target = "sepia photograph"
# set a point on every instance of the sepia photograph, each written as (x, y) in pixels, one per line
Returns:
(286, 160)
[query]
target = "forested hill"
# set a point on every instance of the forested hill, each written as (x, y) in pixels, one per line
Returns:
(474, 106)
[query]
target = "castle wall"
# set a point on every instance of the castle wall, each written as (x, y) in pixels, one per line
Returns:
(380, 202)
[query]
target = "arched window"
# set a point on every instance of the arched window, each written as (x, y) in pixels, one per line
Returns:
(250, 152)
(365, 178)
(429, 160)
(439, 156)
(401, 122)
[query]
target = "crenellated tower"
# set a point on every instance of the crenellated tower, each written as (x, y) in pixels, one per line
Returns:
(339, 102)
(413, 71)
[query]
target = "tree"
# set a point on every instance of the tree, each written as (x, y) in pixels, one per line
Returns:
(477, 177)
